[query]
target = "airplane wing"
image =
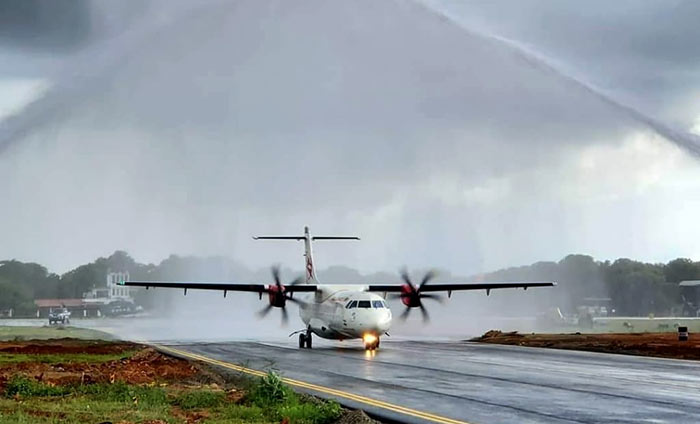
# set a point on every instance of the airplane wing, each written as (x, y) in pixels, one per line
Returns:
(449, 287)
(241, 287)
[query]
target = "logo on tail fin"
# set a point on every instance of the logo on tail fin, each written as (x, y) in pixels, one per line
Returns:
(309, 268)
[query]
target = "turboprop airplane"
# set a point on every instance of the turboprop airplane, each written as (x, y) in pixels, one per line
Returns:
(341, 311)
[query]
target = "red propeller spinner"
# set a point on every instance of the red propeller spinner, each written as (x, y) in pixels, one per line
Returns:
(278, 296)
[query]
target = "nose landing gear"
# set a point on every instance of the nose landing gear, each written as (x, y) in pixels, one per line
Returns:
(305, 340)
(371, 343)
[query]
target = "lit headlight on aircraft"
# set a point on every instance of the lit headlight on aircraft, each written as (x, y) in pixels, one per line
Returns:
(369, 339)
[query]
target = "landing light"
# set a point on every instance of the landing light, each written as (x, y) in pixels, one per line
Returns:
(369, 339)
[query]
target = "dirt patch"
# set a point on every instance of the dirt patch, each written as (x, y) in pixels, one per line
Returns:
(190, 417)
(665, 345)
(146, 366)
(66, 346)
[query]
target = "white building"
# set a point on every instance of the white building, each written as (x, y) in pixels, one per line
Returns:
(113, 291)
(117, 291)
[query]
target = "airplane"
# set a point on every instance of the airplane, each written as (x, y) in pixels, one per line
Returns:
(341, 311)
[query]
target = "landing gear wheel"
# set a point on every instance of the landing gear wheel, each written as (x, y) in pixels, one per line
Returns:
(302, 340)
(372, 346)
(308, 340)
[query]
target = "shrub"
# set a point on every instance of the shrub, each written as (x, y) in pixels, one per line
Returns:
(270, 390)
(278, 402)
(20, 385)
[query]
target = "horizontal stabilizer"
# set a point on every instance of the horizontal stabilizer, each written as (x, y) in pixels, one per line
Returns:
(303, 237)
(278, 237)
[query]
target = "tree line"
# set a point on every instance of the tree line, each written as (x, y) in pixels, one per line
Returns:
(634, 287)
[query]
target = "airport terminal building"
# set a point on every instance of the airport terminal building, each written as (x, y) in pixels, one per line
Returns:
(111, 299)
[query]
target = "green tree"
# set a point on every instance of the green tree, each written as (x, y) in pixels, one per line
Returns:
(682, 269)
(16, 297)
(30, 278)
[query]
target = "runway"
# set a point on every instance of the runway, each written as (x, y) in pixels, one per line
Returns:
(451, 382)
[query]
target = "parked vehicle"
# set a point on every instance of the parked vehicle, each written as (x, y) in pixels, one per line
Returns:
(59, 316)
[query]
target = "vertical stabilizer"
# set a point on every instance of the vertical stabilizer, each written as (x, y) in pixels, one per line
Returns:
(310, 269)
(309, 258)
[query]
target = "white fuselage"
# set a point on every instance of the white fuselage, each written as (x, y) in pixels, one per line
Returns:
(343, 312)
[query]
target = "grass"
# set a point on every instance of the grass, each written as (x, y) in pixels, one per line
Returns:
(62, 358)
(200, 399)
(45, 333)
(268, 400)
(78, 410)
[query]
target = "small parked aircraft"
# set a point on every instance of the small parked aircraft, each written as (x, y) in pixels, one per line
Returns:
(341, 311)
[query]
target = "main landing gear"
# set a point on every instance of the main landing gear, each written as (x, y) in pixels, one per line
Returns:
(305, 340)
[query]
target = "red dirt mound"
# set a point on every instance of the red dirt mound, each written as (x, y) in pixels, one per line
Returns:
(146, 366)
(57, 346)
(664, 345)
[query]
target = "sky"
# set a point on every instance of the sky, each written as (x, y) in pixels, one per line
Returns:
(462, 135)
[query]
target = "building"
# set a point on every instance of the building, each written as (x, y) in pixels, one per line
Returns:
(112, 291)
(690, 293)
(113, 299)
(77, 307)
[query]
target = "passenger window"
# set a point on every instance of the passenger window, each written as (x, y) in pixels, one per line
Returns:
(364, 304)
(378, 304)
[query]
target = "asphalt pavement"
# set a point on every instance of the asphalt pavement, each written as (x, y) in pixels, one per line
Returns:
(452, 382)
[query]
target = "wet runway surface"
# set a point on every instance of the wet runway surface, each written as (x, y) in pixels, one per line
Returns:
(481, 384)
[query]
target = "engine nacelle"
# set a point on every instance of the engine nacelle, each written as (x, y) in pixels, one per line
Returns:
(276, 296)
(410, 296)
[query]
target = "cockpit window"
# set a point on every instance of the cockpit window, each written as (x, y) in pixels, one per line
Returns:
(352, 304)
(377, 304)
(364, 304)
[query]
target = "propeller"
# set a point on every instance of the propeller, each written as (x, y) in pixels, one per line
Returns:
(278, 296)
(412, 297)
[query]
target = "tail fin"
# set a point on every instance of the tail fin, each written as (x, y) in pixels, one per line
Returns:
(308, 253)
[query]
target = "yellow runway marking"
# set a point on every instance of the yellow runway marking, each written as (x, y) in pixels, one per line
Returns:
(321, 389)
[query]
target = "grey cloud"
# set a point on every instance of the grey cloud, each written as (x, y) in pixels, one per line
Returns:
(199, 126)
(642, 52)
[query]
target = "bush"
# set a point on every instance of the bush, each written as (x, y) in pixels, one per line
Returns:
(269, 391)
(278, 402)
(20, 385)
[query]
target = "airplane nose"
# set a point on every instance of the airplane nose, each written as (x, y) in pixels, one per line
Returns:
(382, 320)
